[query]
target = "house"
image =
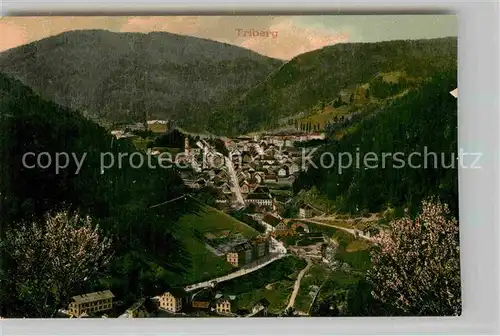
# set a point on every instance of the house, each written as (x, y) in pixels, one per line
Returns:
(257, 178)
(345, 96)
(137, 310)
(306, 211)
(293, 168)
(283, 172)
(222, 174)
(316, 136)
(91, 302)
(118, 134)
(158, 122)
(253, 152)
(246, 158)
(223, 199)
(195, 151)
(262, 190)
(216, 160)
(260, 246)
(174, 300)
(300, 227)
(201, 182)
(269, 159)
(271, 222)
(235, 155)
(225, 188)
(202, 299)
(261, 305)
(244, 187)
(243, 176)
(260, 171)
(240, 254)
(281, 228)
(270, 179)
(225, 304)
(261, 199)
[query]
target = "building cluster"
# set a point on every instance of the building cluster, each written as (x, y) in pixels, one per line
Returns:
(206, 300)
(251, 167)
(247, 252)
(127, 130)
(175, 301)
(90, 303)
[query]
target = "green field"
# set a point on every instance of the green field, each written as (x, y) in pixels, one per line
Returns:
(316, 276)
(191, 227)
(342, 237)
(141, 270)
(278, 295)
(140, 143)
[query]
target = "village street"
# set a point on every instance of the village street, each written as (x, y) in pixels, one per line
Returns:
(235, 274)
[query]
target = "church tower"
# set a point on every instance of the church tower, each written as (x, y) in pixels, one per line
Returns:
(186, 146)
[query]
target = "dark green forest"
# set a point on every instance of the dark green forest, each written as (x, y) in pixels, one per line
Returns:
(118, 77)
(118, 199)
(425, 117)
(319, 75)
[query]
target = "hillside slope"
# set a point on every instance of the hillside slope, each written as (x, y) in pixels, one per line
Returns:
(118, 76)
(320, 75)
(118, 199)
(423, 121)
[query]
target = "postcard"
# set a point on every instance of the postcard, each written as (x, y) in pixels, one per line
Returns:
(229, 166)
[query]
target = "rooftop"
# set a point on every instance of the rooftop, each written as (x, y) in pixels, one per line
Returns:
(177, 292)
(262, 196)
(221, 297)
(272, 220)
(203, 295)
(137, 304)
(241, 247)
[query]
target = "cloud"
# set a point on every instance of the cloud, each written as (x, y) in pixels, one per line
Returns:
(185, 25)
(12, 36)
(15, 31)
(290, 41)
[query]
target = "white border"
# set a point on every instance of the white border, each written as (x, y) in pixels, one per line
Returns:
(479, 197)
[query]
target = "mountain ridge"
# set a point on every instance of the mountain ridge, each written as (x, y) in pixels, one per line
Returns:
(320, 75)
(118, 76)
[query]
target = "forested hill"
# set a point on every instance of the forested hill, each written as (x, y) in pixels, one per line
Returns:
(425, 117)
(320, 75)
(119, 76)
(118, 199)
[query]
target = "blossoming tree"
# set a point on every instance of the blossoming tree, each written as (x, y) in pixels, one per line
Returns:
(52, 257)
(416, 266)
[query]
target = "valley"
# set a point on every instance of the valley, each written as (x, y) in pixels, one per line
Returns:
(235, 213)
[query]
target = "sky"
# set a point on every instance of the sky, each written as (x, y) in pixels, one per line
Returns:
(282, 37)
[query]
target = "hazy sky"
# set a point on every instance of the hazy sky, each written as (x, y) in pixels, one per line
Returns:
(292, 35)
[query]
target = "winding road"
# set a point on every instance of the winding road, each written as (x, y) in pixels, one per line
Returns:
(351, 231)
(233, 275)
(296, 286)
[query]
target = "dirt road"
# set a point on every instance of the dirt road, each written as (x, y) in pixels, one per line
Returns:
(351, 231)
(296, 286)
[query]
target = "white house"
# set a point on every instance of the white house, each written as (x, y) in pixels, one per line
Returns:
(260, 199)
(282, 172)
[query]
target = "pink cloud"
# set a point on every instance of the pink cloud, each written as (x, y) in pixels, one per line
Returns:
(12, 35)
(292, 41)
(185, 25)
